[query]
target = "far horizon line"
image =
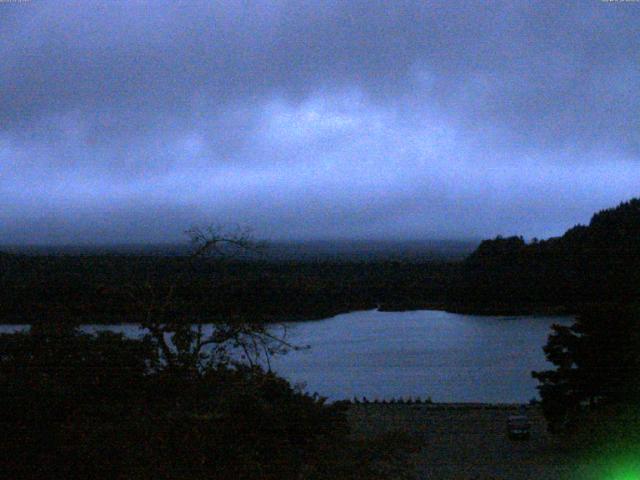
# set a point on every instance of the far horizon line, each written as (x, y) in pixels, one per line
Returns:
(256, 239)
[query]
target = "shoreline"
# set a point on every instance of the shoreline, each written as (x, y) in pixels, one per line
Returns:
(110, 319)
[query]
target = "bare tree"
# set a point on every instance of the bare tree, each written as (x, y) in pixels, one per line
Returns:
(224, 341)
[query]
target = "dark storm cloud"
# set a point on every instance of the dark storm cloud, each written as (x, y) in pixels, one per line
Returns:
(310, 119)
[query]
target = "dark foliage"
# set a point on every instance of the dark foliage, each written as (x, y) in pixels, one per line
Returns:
(594, 264)
(75, 405)
(182, 402)
(597, 365)
(108, 289)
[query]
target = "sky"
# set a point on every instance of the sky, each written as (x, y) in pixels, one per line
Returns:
(131, 121)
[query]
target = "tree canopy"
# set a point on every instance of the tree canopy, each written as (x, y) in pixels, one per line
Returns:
(594, 264)
(180, 402)
(75, 405)
(597, 364)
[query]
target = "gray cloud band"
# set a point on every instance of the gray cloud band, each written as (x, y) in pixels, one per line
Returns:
(109, 99)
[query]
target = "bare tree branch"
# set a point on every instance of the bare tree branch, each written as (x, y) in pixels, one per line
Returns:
(179, 343)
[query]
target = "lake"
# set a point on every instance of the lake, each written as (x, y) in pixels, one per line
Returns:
(382, 355)
(448, 357)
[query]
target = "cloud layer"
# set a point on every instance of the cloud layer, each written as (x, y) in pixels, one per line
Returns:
(131, 121)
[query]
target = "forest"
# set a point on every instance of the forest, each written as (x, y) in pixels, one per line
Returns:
(110, 288)
(594, 264)
(104, 406)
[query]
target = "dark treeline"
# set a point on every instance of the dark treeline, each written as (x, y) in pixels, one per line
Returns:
(111, 289)
(178, 402)
(594, 264)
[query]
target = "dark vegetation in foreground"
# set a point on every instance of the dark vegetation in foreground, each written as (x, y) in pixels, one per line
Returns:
(592, 395)
(179, 403)
(73, 405)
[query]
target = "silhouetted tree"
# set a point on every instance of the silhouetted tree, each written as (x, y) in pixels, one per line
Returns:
(597, 363)
(182, 402)
(184, 345)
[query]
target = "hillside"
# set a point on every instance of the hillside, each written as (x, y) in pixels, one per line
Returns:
(597, 263)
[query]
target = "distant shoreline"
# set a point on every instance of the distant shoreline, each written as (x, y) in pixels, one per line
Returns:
(462, 310)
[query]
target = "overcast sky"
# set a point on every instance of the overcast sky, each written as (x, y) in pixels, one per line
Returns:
(130, 121)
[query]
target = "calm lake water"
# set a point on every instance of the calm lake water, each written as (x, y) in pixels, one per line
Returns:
(383, 355)
(449, 357)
